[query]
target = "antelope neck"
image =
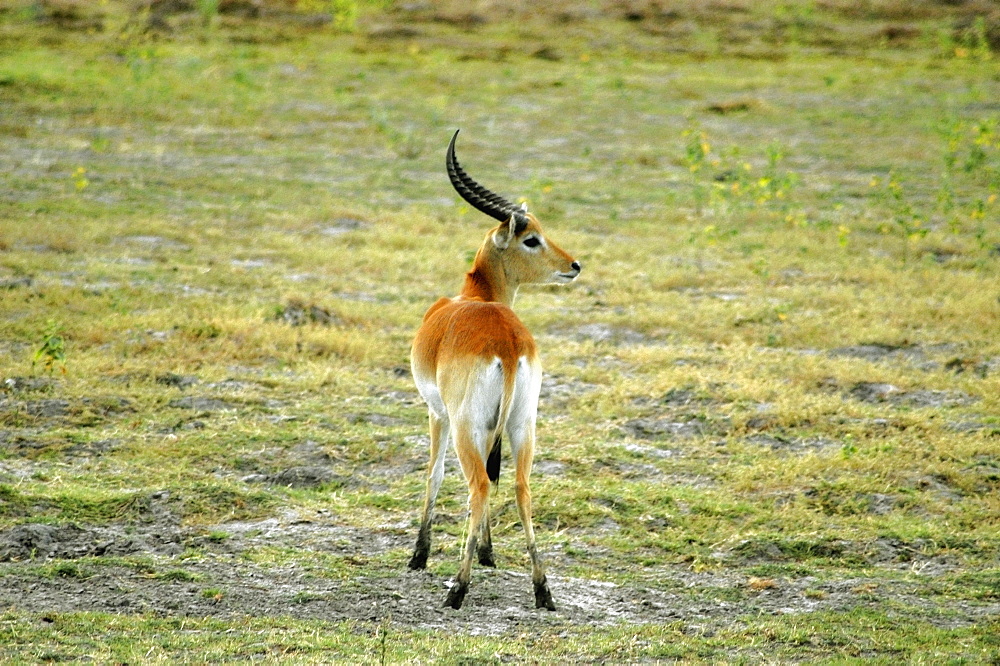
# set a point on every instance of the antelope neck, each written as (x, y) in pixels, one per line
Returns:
(487, 282)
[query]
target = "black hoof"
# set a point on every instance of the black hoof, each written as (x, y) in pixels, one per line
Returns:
(456, 595)
(543, 598)
(486, 557)
(419, 560)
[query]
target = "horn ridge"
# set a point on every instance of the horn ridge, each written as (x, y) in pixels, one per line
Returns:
(475, 194)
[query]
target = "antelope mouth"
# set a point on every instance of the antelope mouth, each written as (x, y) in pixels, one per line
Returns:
(565, 278)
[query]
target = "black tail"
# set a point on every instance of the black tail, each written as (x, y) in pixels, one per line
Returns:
(493, 462)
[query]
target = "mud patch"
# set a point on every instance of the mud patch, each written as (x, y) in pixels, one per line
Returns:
(375, 419)
(649, 452)
(304, 476)
(664, 428)
(875, 351)
(877, 392)
(679, 397)
(19, 384)
(558, 392)
(934, 398)
(779, 442)
(175, 380)
(925, 357)
(11, 283)
(36, 541)
(362, 577)
(548, 468)
(300, 313)
(607, 334)
(873, 391)
(201, 404)
(341, 226)
(153, 243)
(917, 555)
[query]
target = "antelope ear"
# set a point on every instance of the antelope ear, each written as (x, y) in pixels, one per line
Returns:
(505, 233)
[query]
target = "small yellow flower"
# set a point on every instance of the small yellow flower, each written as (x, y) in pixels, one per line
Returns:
(80, 179)
(961, 52)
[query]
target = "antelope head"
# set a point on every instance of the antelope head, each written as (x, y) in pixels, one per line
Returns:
(517, 246)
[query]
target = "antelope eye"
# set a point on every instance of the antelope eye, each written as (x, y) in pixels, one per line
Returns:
(532, 241)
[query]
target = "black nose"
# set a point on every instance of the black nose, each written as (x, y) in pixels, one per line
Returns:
(575, 266)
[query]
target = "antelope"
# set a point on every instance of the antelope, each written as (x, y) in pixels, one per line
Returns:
(476, 366)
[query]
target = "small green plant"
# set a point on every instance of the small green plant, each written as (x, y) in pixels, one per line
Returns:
(213, 594)
(969, 185)
(51, 352)
(905, 220)
(65, 570)
(696, 150)
(975, 42)
(177, 575)
(382, 635)
(730, 183)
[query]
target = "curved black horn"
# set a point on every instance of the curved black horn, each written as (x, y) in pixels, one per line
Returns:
(478, 196)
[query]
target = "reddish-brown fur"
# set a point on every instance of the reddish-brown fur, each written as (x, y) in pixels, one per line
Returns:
(456, 330)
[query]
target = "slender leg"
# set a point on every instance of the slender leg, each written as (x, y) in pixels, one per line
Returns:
(522, 492)
(435, 473)
(479, 497)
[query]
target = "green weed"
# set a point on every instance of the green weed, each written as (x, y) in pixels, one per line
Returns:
(51, 353)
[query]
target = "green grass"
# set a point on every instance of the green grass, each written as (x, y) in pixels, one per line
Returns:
(757, 197)
(829, 639)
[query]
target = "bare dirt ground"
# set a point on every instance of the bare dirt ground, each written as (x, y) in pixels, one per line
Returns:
(167, 570)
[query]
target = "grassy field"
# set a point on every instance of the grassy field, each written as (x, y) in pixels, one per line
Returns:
(770, 425)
